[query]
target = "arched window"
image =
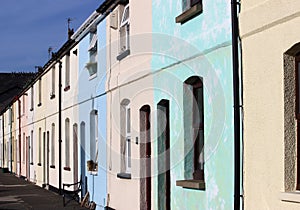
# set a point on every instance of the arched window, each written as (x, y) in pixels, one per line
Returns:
(125, 131)
(193, 128)
(52, 145)
(94, 138)
(67, 144)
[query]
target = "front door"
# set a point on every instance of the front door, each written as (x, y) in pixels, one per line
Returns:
(145, 159)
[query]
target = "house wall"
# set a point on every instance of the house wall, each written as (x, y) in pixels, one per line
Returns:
(265, 39)
(200, 47)
(127, 79)
(91, 96)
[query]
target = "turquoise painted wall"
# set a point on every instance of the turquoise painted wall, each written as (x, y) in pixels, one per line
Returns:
(91, 95)
(200, 47)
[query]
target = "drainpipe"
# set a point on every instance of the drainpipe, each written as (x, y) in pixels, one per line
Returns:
(236, 101)
(19, 105)
(59, 127)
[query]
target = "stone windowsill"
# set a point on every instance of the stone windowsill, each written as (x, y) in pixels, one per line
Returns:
(123, 55)
(290, 196)
(124, 175)
(67, 88)
(189, 14)
(191, 184)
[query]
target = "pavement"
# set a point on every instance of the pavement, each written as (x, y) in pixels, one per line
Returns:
(16, 193)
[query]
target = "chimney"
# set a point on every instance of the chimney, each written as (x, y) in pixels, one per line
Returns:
(70, 33)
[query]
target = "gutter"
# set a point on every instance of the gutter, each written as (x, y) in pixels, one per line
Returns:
(236, 105)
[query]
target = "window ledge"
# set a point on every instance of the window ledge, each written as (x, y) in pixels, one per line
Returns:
(93, 76)
(67, 168)
(290, 196)
(124, 175)
(39, 164)
(123, 55)
(94, 173)
(191, 184)
(67, 88)
(52, 166)
(189, 14)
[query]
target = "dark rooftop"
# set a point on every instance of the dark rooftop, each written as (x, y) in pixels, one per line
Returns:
(11, 85)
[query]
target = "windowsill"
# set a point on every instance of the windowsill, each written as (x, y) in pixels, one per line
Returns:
(52, 166)
(124, 175)
(67, 88)
(123, 55)
(39, 104)
(290, 196)
(94, 173)
(191, 184)
(52, 96)
(39, 164)
(93, 76)
(189, 14)
(31, 109)
(67, 168)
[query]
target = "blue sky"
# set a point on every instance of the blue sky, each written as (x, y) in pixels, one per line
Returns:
(29, 28)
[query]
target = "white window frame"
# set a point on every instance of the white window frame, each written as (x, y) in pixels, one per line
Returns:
(53, 144)
(67, 142)
(53, 82)
(128, 139)
(124, 25)
(67, 69)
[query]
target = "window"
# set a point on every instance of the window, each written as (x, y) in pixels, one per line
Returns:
(92, 64)
(52, 94)
(23, 97)
(193, 132)
(52, 146)
(24, 143)
(94, 140)
(125, 144)
(31, 148)
(67, 145)
(124, 33)
(40, 92)
(67, 69)
(32, 97)
(40, 148)
(12, 113)
(190, 9)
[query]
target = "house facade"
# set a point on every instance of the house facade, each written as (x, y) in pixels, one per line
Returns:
(270, 49)
(170, 105)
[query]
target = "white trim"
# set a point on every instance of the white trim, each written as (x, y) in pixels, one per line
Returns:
(124, 20)
(93, 42)
(290, 196)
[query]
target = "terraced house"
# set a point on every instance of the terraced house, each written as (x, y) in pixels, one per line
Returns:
(141, 106)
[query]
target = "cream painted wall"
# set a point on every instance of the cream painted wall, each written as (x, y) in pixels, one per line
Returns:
(268, 30)
(126, 80)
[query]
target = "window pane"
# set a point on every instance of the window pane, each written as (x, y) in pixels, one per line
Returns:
(129, 152)
(128, 120)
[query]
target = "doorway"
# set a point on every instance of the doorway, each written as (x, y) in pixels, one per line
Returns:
(145, 158)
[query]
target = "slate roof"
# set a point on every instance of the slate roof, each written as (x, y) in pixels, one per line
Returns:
(11, 85)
